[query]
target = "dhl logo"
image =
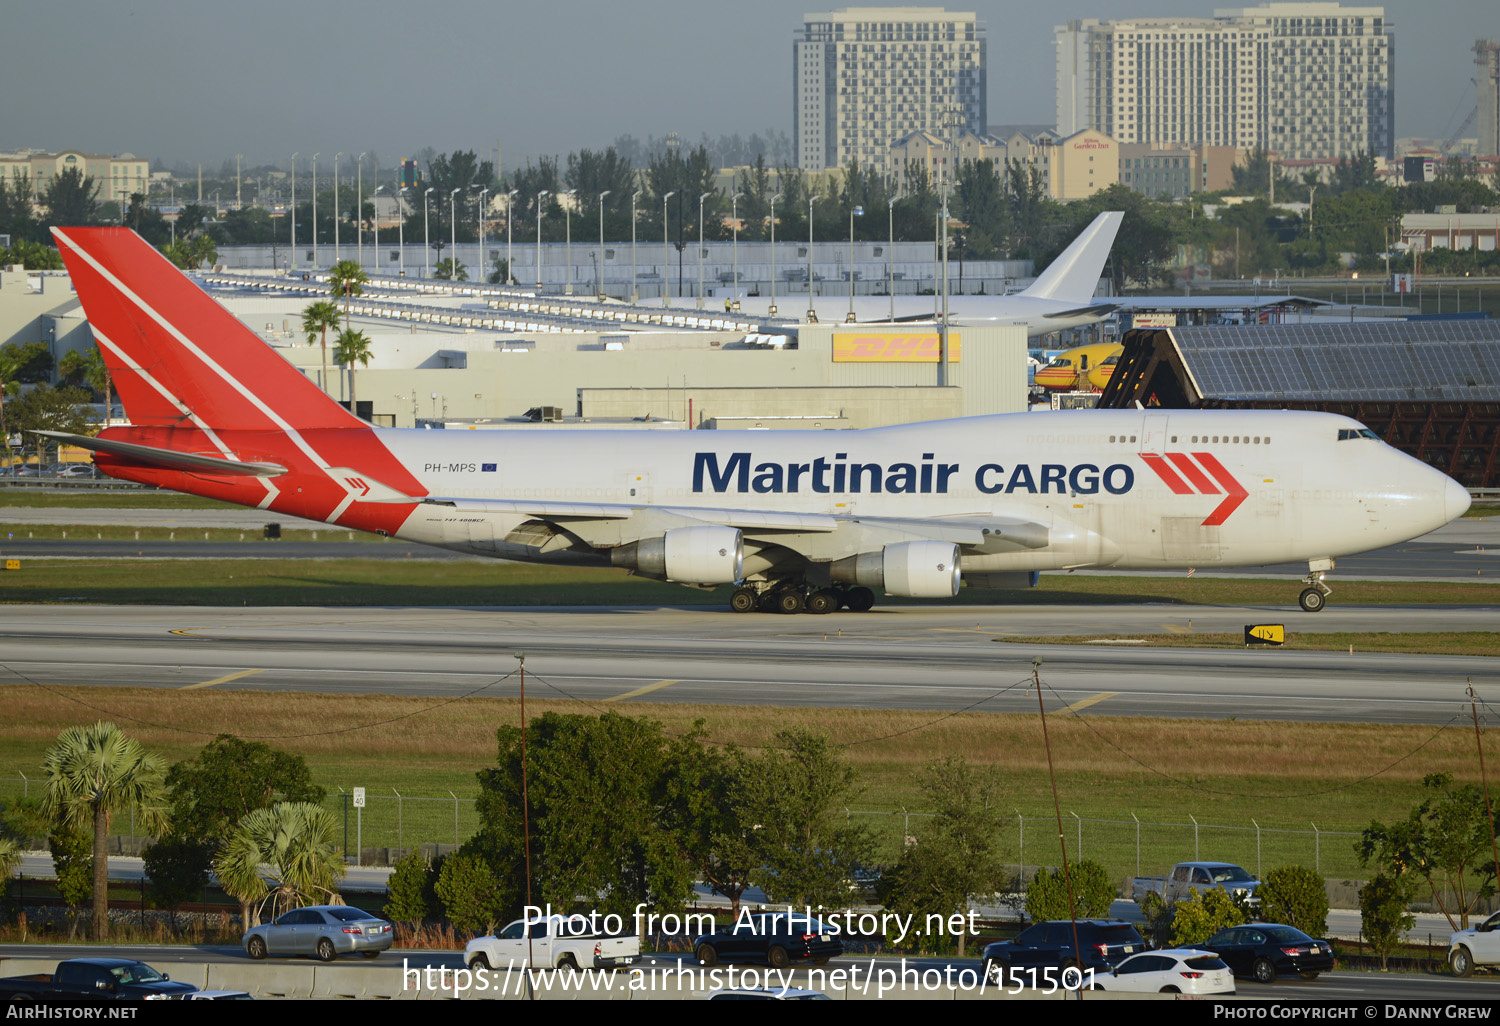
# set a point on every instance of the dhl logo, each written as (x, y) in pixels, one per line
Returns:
(1199, 473)
(893, 348)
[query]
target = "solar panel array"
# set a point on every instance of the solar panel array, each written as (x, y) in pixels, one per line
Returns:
(1384, 361)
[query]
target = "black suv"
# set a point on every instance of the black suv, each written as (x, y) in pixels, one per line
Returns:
(1044, 947)
(775, 937)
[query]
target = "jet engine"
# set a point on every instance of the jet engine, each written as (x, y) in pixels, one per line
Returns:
(691, 555)
(919, 569)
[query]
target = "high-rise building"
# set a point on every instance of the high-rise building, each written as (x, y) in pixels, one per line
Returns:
(864, 77)
(1304, 80)
(1487, 82)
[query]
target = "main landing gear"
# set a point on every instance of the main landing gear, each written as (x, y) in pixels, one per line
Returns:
(799, 598)
(1315, 595)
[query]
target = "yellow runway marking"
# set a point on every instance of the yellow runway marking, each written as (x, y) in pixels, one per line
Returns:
(1173, 628)
(1078, 706)
(642, 691)
(222, 680)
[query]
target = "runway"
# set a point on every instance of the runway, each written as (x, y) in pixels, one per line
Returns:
(943, 659)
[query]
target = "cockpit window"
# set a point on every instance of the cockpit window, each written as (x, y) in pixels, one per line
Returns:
(1345, 434)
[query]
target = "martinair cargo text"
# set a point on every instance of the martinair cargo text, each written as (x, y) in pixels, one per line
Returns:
(795, 520)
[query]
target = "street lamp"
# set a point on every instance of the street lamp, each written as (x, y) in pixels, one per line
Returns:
(401, 231)
(853, 213)
(568, 251)
(292, 258)
(482, 193)
(426, 236)
(375, 248)
(734, 218)
(453, 234)
(812, 313)
(603, 194)
(359, 208)
(772, 311)
(336, 212)
(510, 221)
(700, 247)
(890, 268)
(665, 247)
(539, 197)
(315, 210)
(635, 286)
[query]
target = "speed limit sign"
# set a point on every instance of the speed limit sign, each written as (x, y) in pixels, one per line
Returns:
(359, 797)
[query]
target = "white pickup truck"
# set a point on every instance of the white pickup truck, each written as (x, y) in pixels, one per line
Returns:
(554, 941)
(1188, 879)
(1478, 945)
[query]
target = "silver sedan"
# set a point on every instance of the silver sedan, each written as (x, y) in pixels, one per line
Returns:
(325, 931)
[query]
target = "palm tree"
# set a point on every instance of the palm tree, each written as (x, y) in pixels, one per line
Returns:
(352, 347)
(451, 270)
(96, 376)
(92, 774)
(347, 278)
(316, 320)
(284, 855)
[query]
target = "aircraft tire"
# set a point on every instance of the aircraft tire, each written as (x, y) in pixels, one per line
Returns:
(821, 602)
(744, 600)
(1311, 600)
(861, 600)
(790, 601)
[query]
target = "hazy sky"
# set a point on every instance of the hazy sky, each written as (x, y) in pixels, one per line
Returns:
(202, 80)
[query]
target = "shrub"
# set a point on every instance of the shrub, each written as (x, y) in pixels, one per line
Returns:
(469, 892)
(412, 890)
(1383, 914)
(1204, 915)
(1093, 893)
(1295, 895)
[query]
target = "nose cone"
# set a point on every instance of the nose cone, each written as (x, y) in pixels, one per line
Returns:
(1456, 500)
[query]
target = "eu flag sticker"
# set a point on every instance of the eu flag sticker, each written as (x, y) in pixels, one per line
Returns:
(487, 468)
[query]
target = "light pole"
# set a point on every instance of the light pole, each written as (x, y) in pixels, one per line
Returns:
(772, 311)
(853, 213)
(336, 212)
(375, 247)
(426, 236)
(510, 221)
(734, 219)
(568, 250)
(603, 194)
(539, 197)
(453, 234)
(665, 247)
(890, 268)
(482, 193)
(292, 258)
(700, 247)
(635, 285)
(315, 210)
(812, 312)
(359, 208)
(401, 231)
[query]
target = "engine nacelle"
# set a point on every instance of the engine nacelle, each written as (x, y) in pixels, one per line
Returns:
(918, 569)
(691, 555)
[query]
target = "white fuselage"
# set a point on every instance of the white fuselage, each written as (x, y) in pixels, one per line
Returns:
(1091, 478)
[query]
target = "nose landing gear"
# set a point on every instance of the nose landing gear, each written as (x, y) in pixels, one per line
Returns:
(1315, 595)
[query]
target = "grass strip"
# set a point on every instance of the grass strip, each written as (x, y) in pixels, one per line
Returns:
(105, 532)
(1478, 643)
(95, 498)
(415, 581)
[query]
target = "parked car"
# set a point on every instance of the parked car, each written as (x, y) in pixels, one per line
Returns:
(97, 979)
(779, 938)
(553, 941)
(1264, 951)
(1048, 946)
(87, 470)
(1192, 878)
(326, 931)
(1169, 971)
(1478, 945)
(220, 995)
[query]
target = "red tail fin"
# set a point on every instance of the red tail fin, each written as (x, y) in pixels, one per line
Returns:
(176, 356)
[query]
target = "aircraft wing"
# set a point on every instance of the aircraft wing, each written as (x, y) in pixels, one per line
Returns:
(1097, 310)
(746, 520)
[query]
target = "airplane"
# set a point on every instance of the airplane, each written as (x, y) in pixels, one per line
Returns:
(795, 520)
(1073, 368)
(1062, 297)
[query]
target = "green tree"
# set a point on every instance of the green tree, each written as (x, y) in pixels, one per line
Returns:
(72, 199)
(699, 803)
(1093, 893)
(94, 773)
(412, 890)
(1383, 913)
(32, 255)
(958, 855)
(1203, 915)
(797, 792)
(451, 269)
(472, 896)
(1444, 841)
(284, 856)
(1296, 896)
(146, 221)
(317, 318)
(501, 274)
(73, 862)
(178, 870)
(16, 216)
(25, 362)
(230, 778)
(349, 348)
(45, 408)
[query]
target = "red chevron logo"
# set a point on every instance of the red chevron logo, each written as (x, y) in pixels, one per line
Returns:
(1206, 476)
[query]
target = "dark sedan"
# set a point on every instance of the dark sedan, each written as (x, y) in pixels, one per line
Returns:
(775, 937)
(1263, 951)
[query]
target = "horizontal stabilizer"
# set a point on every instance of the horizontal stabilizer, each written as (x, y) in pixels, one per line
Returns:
(1097, 310)
(169, 458)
